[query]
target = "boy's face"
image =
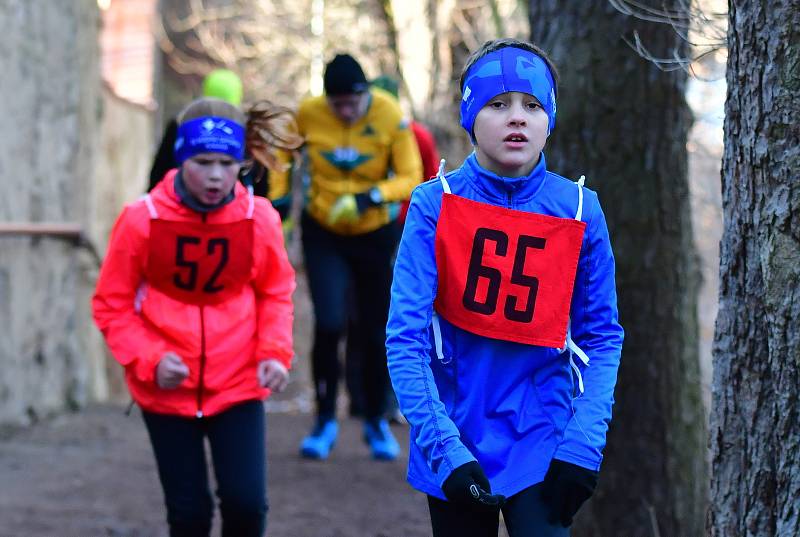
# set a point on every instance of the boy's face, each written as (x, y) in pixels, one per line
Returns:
(510, 133)
(209, 177)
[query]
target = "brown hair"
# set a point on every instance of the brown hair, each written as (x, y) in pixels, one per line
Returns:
(268, 127)
(497, 44)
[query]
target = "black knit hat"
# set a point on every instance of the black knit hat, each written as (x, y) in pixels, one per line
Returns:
(344, 75)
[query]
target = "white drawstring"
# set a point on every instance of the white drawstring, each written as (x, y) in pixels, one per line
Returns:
(569, 344)
(437, 339)
(440, 175)
(251, 205)
(437, 330)
(141, 294)
(148, 200)
(579, 213)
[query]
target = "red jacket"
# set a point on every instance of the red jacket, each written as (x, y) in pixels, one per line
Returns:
(429, 156)
(220, 343)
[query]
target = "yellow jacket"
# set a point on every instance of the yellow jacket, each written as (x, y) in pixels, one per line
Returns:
(378, 150)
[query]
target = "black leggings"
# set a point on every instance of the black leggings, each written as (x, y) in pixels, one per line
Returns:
(237, 440)
(524, 513)
(333, 263)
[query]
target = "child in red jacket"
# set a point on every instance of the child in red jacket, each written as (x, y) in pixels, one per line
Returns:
(194, 298)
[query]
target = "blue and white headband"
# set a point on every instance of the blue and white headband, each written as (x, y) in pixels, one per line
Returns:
(503, 70)
(209, 135)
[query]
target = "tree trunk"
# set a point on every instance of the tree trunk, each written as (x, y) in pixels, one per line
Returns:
(755, 422)
(624, 123)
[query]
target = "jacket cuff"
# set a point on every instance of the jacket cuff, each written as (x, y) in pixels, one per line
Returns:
(453, 458)
(285, 362)
(270, 352)
(564, 453)
(144, 368)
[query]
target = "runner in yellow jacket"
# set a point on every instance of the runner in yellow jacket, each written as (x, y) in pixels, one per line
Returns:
(362, 156)
(375, 157)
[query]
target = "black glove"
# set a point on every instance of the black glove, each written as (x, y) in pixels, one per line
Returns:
(370, 198)
(469, 486)
(566, 486)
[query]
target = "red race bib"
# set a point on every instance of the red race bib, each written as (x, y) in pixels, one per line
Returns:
(199, 263)
(506, 274)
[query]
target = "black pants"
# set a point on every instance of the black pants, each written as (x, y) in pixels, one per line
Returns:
(353, 371)
(332, 263)
(524, 513)
(237, 440)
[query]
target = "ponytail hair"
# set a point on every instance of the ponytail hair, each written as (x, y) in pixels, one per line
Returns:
(269, 128)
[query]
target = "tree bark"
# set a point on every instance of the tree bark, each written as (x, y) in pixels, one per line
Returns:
(755, 421)
(624, 124)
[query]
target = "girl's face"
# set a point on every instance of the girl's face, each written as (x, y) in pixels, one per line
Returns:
(510, 133)
(210, 177)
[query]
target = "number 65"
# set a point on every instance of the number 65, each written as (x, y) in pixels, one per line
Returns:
(494, 276)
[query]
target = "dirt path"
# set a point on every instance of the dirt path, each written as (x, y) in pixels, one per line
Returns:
(92, 474)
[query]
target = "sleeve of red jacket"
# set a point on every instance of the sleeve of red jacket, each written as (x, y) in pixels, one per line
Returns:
(135, 345)
(427, 150)
(274, 285)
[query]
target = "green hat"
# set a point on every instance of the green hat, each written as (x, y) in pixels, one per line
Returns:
(386, 83)
(223, 84)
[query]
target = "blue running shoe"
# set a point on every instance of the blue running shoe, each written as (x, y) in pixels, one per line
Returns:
(319, 443)
(381, 440)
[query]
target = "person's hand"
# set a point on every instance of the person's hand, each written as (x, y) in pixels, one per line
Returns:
(566, 486)
(273, 374)
(469, 486)
(345, 209)
(171, 371)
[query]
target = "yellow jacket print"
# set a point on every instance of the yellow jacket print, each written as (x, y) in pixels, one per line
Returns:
(379, 150)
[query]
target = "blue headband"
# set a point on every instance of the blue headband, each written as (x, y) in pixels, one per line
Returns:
(209, 135)
(503, 70)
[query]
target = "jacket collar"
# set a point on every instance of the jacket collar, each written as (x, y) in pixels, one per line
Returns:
(193, 203)
(499, 188)
(166, 195)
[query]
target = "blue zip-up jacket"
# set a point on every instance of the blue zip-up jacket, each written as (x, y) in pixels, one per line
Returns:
(510, 406)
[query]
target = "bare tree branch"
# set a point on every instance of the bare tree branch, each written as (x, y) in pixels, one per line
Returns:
(705, 32)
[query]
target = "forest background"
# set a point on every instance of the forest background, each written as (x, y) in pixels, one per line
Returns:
(89, 84)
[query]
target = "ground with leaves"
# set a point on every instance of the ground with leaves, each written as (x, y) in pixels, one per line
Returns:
(92, 474)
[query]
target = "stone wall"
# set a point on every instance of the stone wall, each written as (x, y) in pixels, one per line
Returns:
(65, 157)
(120, 176)
(50, 108)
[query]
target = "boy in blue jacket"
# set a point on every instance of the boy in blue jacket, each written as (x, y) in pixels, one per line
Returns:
(503, 340)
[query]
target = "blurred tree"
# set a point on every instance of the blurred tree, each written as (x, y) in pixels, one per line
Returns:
(623, 123)
(755, 420)
(453, 28)
(269, 44)
(279, 48)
